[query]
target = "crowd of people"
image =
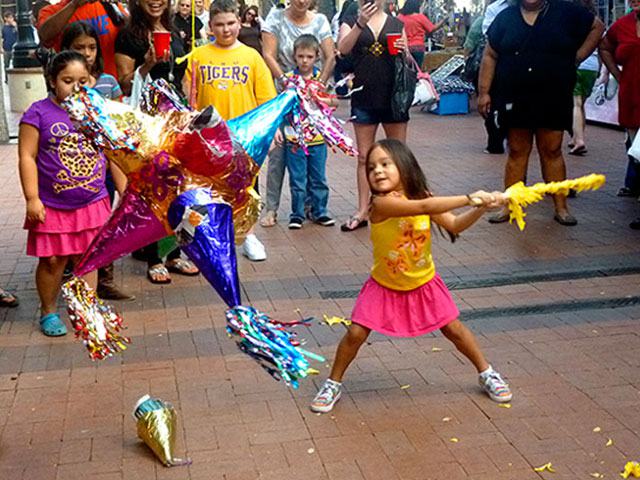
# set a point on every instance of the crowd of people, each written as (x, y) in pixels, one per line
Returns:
(534, 73)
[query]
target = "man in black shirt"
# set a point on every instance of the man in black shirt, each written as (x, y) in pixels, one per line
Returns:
(182, 23)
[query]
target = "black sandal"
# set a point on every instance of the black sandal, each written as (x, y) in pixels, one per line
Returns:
(565, 219)
(354, 223)
(499, 217)
(578, 151)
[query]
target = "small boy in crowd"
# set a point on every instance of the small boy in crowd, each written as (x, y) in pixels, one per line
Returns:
(233, 78)
(307, 171)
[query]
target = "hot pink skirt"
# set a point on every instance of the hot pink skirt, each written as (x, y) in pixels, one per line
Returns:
(67, 232)
(405, 313)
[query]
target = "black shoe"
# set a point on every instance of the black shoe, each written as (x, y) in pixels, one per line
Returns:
(325, 221)
(493, 152)
(627, 192)
(635, 225)
(295, 223)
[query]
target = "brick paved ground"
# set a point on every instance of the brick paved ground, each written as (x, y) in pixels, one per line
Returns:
(63, 417)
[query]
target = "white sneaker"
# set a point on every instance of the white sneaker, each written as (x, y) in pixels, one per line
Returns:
(253, 249)
(326, 397)
(494, 386)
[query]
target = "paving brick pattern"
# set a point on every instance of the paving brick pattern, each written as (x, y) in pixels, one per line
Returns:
(63, 417)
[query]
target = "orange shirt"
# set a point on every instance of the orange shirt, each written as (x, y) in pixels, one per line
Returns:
(95, 14)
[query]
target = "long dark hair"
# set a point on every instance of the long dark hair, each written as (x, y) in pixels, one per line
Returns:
(59, 62)
(411, 6)
(412, 178)
(77, 29)
(243, 16)
(414, 183)
(139, 23)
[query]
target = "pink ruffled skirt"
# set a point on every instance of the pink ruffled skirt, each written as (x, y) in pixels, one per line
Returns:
(405, 313)
(67, 232)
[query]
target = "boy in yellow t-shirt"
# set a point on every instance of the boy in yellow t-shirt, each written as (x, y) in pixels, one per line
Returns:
(233, 78)
(230, 76)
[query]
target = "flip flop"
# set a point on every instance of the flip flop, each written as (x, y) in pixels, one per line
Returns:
(158, 270)
(8, 300)
(354, 223)
(182, 267)
(52, 326)
(566, 219)
(500, 217)
(579, 151)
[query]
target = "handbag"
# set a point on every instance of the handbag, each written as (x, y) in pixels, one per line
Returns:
(425, 93)
(473, 62)
(404, 87)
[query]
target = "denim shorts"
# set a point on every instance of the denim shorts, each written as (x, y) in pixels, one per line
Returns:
(367, 116)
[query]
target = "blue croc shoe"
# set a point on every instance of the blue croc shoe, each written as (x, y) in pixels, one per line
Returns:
(52, 326)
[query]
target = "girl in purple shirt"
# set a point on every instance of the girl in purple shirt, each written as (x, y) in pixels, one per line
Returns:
(63, 180)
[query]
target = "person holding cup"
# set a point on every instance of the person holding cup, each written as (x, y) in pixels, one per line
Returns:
(371, 38)
(149, 45)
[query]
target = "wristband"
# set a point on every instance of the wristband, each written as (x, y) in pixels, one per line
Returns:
(361, 27)
(474, 201)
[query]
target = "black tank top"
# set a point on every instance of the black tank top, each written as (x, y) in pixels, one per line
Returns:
(373, 66)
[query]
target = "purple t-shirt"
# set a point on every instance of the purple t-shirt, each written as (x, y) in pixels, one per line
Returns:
(71, 172)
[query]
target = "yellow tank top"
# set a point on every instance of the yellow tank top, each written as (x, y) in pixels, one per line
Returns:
(402, 252)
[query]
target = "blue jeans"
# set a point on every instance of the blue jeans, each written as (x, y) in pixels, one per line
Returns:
(307, 173)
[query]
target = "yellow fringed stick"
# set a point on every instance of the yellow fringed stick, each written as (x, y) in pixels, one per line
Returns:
(522, 196)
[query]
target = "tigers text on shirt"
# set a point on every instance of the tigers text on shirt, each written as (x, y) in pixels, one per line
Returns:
(233, 80)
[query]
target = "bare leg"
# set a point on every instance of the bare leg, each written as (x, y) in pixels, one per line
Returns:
(396, 130)
(365, 136)
(48, 280)
(466, 343)
(348, 349)
(520, 143)
(549, 143)
(578, 122)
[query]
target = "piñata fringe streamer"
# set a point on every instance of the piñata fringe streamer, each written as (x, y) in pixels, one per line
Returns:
(95, 322)
(631, 469)
(314, 115)
(521, 196)
(270, 345)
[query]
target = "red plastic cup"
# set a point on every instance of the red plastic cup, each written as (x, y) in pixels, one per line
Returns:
(391, 43)
(161, 43)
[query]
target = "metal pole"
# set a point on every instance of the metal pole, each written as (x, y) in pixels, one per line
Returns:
(25, 47)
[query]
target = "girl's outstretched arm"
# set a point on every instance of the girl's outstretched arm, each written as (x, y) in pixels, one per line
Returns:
(394, 205)
(28, 139)
(456, 224)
